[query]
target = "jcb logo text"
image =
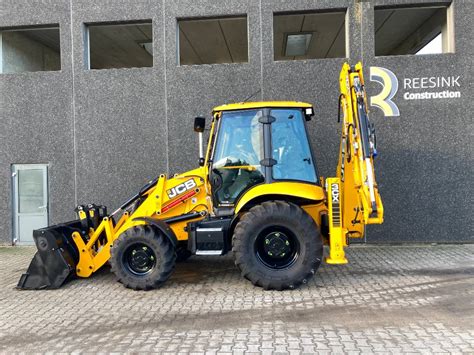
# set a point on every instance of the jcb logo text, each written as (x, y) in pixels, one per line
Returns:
(179, 189)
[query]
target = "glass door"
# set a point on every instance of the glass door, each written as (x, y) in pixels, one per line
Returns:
(30, 201)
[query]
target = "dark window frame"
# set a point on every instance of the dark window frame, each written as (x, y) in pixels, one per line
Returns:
(449, 22)
(44, 26)
(86, 41)
(341, 10)
(207, 18)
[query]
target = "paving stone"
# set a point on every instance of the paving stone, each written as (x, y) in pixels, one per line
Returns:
(389, 299)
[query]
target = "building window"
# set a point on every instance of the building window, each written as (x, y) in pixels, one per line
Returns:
(30, 49)
(309, 35)
(413, 30)
(213, 41)
(119, 45)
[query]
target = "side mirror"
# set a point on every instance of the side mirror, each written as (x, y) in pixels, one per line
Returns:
(199, 124)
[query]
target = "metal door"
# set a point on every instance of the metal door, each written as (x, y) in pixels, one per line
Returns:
(30, 201)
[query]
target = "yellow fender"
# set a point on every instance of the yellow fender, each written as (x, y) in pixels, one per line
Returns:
(295, 189)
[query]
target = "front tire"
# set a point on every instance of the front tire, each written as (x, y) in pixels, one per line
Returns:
(142, 258)
(277, 246)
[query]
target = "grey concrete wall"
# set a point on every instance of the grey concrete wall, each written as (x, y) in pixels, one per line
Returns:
(105, 132)
(426, 164)
(36, 116)
(119, 114)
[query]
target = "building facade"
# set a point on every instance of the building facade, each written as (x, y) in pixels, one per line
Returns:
(96, 99)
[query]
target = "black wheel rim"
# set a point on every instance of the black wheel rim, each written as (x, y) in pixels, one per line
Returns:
(277, 247)
(139, 259)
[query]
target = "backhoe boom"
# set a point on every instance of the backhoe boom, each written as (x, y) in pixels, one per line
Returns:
(353, 197)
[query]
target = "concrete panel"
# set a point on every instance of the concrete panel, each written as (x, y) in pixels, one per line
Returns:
(120, 117)
(312, 80)
(421, 155)
(426, 160)
(36, 117)
(196, 89)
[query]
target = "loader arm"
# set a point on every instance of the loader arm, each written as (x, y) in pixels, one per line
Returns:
(353, 196)
(81, 247)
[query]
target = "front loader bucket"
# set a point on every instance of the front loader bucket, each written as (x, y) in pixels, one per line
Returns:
(55, 261)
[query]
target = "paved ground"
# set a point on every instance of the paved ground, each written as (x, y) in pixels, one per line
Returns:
(390, 299)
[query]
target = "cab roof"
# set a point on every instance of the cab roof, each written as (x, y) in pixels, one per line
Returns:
(261, 104)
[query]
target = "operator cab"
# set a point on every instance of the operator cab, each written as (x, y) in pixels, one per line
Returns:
(256, 143)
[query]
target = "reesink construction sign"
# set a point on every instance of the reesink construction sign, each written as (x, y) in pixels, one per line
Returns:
(448, 83)
(416, 88)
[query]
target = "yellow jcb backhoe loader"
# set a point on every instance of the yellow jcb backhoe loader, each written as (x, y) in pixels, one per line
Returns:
(256, 193)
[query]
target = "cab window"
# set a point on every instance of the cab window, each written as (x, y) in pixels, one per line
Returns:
(290, 147)
(239, 150)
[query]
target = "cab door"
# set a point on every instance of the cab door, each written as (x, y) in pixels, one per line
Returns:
(236, 162)
(291, 150)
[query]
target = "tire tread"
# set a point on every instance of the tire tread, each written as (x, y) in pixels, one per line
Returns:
(250, 221)
(167, 256)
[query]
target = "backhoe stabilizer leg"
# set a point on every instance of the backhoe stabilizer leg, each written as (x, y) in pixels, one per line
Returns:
(337, 235)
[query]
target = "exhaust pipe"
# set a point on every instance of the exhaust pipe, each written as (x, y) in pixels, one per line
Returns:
(55, 261)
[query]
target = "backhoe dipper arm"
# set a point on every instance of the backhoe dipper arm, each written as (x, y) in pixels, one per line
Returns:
(353, 197)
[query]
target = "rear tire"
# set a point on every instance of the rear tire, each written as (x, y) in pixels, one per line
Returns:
(277, 246)
(142, 258)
